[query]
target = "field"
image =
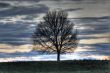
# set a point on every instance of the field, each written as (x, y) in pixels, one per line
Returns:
(76, 66)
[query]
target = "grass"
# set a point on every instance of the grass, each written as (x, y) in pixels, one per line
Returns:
(76, 66)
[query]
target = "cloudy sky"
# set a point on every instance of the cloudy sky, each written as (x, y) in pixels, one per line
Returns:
(18, 19)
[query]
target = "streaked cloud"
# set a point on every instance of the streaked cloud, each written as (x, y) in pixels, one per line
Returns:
(95, 41)
(85, 48)
(21, 8)
(18, 19)
(91, 8)
(6, 48)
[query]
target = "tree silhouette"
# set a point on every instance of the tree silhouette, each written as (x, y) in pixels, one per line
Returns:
(56, 34)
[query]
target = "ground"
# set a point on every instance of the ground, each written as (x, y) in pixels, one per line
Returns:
(76, 66)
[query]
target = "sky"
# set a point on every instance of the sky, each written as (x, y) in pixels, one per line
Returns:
(18, 19)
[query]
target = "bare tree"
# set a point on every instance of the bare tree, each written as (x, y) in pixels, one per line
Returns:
(56, 34)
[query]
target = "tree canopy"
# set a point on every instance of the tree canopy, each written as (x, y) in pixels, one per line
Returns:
(56, 34)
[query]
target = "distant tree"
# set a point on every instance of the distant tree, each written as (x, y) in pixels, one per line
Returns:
(56, 34)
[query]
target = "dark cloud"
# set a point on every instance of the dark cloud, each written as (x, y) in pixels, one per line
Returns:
(3, 5)
(75, 0)
(88, 53)
(102, 47)
(23, 10)
(94, 29)
(93, 25)
(13, 33)
(98, 49)
(19, 54)
(87, 31)
(14, 29)
(92, 19)
(23, 42)
(76, 9)
(98, 46)
(91, 37)
(20, 0)
(96, 18)
(68, 0)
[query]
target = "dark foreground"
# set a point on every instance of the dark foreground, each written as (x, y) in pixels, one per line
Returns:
(84, 66)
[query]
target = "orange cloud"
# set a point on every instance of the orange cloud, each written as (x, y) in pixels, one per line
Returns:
(97, 35)
(6, 48)
(101, 57)
(94, 41)
(85, 48)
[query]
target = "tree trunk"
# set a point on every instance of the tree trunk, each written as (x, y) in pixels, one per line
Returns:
(58, 56)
